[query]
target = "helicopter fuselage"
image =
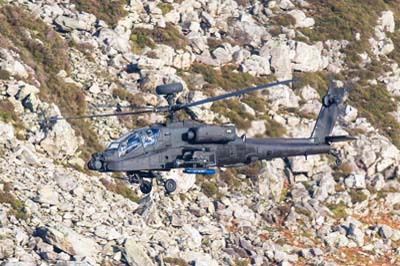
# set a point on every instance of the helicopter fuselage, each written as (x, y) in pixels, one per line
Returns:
(193, 145)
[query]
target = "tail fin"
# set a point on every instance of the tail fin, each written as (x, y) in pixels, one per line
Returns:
(328, 115)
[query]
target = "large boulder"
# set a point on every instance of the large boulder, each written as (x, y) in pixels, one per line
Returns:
(135, 254)
(308, 58)
(302, 21)
(117, 39)
(81, 21)
(9, 63)
(69, 241)
(280, 60)
(256, 66)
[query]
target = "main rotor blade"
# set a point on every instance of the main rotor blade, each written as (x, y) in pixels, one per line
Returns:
(54, 119)
(232, 94)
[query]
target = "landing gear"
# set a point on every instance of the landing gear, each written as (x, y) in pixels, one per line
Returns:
(170, 186)
(146, 186)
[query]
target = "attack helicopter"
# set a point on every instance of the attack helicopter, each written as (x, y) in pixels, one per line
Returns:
(200, 148)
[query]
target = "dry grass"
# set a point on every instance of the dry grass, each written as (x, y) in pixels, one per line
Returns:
(120, 188)
(17, 206)
(108, 10)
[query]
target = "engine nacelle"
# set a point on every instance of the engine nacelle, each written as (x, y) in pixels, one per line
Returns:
(210, 134)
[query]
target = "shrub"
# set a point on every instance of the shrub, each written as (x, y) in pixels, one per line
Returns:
(108, 10)
(165, 8)
(357, 196)
(8, 115)
(120, 188)
(18, 207)
(170, 35)
(209, 189)
(232, 110)
(339, 210)
(4, 74)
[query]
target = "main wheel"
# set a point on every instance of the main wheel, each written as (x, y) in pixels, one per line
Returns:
(145, 187)
(170, 186)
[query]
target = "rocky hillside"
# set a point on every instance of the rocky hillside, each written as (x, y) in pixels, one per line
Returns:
(74, 57)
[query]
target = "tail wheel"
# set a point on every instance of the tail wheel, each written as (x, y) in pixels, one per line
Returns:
(145, 187)
(170, 186)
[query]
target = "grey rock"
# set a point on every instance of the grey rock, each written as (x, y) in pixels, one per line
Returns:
(256, 66)
(80, 22)
(308, 58)
(135, 254)
(6, 132)
(385, 231)
(11, 64)
(356, 234)
(69, 241)
(355, 181)
(280, 60)
(6, 248)
(48, 195)
(302, 21)
(222, 55)
(199, 259)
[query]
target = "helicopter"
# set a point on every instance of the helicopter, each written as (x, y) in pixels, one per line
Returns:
(200, 148)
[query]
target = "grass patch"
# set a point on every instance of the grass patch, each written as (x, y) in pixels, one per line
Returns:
(8, 115)
(18, 207)
(338, 210)
(170, 35)
(165, 8)
(4, 74)
(120, 188)
(210, 189)
(357, 196)
(111, 11)
(273, 128)
(232, 110)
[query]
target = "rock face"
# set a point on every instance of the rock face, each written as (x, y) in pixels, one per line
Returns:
(308, 58)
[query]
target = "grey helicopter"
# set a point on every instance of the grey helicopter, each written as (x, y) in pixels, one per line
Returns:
(200, 148)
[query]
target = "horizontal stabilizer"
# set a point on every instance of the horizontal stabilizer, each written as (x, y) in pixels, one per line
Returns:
(332, 139)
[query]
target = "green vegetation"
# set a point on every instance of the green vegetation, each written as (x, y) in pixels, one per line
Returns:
(285, 20)
(18, 207)
(46, 52)
(343, 170)
(175, 261)
(108, 10)
(317, 80)
(209, 188)
(165, 8)
(120, 188)
(170, 35)
(232, 110)
(4, 74)
(8, 115)
(273, 128)
(357, 196)
(124, 95)
(339, 210)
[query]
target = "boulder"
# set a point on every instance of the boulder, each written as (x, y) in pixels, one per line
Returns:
(386, 22)
(302, 21)
(48, 195)
(355, 181)
(9, 63)
(69, 241)
(256, 66)
(81, 21)
(308, 58)
(271, 181)
(135, 254)
(116, 39)
(222, 55)
(280, 60)
(7, 132)
(281, 96)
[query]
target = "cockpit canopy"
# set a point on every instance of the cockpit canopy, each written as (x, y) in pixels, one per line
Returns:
(131, 141)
